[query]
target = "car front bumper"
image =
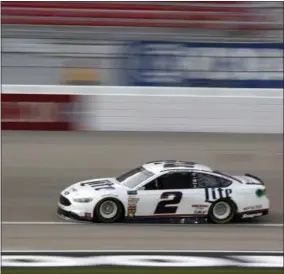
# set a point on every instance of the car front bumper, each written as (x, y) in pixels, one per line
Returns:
(68, 210)
(71, 216)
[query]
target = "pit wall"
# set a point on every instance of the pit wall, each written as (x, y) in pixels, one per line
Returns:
(169, 109)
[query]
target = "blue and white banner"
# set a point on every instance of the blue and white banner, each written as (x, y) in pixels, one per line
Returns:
(234, 65)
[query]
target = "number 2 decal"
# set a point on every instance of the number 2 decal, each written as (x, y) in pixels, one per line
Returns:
(163, 207)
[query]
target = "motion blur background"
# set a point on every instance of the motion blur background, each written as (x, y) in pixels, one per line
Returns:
(106, 46)
(112, 43)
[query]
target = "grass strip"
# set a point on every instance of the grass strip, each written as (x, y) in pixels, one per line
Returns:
(134, 270)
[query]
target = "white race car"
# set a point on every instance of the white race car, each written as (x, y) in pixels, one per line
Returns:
(165, 189)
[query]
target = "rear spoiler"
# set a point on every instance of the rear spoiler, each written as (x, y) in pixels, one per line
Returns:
(255, 177)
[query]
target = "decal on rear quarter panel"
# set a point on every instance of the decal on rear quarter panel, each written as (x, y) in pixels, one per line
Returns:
(214, 194)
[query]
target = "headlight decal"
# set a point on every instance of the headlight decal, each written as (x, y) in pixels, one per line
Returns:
(82, 200)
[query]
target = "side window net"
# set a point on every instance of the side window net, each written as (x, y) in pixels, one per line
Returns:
(207, 180)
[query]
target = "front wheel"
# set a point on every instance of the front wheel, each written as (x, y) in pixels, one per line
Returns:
(222, 212)
(108, 211)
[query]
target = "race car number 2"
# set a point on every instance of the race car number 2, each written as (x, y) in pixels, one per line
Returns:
(170, 205)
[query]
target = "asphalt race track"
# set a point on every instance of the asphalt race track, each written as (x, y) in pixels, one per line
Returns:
(37, 165)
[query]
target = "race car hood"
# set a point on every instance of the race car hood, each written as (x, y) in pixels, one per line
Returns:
(249, 179)
(90, 188)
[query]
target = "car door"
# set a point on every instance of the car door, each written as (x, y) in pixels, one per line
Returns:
(170, 194)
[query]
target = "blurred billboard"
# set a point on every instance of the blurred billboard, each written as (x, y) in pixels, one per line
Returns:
(53, 62)
(237, 65)
(191, 43)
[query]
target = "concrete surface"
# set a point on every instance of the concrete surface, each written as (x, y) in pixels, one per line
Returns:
(37, 165)
(133, 237)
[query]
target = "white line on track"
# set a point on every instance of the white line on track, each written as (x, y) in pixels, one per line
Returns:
(263, 225)
(78, 223)
(41, 223)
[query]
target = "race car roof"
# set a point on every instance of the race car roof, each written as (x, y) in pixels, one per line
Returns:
(160, 165)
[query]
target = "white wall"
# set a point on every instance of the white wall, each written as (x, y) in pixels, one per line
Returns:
(173, 109)
(187, 114)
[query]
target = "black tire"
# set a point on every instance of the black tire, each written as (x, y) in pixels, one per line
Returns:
(98, 215)
(231, 212)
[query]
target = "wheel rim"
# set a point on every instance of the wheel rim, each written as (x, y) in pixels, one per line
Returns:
(108, 209)
(222, 210)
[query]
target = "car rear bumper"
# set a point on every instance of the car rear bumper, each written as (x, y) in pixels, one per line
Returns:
(253, 214)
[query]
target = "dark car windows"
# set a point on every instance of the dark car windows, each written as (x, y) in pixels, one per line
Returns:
(208, 180)
(177, 180)
(134, 177)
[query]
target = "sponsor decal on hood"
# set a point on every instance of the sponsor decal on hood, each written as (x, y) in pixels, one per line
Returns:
(99, 185)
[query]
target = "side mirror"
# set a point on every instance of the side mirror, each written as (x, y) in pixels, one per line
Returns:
(141, 188)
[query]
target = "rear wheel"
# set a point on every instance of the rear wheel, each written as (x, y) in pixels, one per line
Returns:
(222, 212)
(108, 211)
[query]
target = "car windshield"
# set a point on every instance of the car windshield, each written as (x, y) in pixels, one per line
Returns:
(134, 177)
